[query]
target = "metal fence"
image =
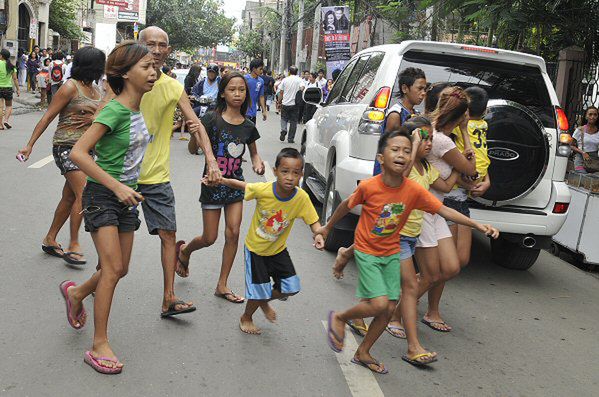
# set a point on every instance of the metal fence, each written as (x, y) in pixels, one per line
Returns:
(583, 91)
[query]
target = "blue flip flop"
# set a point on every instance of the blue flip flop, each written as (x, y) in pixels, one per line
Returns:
(366, 364)
(332, 334)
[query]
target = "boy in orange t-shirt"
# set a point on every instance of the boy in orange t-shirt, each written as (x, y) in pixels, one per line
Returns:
(387, 200)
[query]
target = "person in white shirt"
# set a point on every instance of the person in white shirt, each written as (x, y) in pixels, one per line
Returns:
(288, 90)
(321, 80)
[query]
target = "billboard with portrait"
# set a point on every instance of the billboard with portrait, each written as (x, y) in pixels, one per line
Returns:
(337, 45)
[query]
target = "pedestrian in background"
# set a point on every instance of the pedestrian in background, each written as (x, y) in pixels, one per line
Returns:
(288, 90)
(33, 68)
(22, 64)
(75, 106)
(120, 137)
(269, 83)
(8, 80)
(192, 77)
(43, 78)
(57, 72)
(256, 90)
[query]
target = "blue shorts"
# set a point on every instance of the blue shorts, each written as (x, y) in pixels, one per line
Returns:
(407, 247)
(259, 270)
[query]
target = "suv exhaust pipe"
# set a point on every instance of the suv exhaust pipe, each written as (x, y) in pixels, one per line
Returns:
(529, 242)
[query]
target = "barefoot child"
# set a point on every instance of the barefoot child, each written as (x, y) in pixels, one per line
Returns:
(278, 204)
(229, 133)
(387, 200)
(120, 138)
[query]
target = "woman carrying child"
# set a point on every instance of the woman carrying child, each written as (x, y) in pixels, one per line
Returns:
(120, 138)
(75, 106)
(229, 133)
(436, 251)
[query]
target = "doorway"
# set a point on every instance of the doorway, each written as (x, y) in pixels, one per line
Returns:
(23, 30)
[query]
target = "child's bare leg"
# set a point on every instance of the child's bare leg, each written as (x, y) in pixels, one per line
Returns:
(344, 255)
(449, 268)
(384, 309)
(233, 215)
(114, 250)
(210, 221)
(246, 324)
(408, 307)
(366, 308)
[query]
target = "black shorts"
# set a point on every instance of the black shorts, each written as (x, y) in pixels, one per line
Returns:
(102, 208)
(460, 206)
(259, 270)
(6, 93)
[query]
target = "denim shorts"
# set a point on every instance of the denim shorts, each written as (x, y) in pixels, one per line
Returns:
(407, 247)
(460, 206)
(102, 208)
(158, 207)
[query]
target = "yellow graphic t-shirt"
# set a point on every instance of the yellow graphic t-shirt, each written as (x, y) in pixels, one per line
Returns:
(274, 216)
(158, 108)
(477, 131)
(413, 225)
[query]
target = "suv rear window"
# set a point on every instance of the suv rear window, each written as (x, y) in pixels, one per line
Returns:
(501, 80)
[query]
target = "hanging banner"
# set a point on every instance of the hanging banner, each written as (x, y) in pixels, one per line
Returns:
(130, 12)
(115, 3)
(337, 44)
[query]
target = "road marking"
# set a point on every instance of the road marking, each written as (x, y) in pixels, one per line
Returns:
(42, 162)
(268, 173)
(361, 381)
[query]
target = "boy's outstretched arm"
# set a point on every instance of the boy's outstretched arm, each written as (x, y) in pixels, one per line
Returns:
(454, 216)
(339, 213)
(232, 183)
(318, 238)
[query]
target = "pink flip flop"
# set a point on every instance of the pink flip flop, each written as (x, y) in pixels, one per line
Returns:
(94, 362)
(64, 286)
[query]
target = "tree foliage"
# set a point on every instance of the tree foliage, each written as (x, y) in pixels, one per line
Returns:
(543, 27)
(250, 43)
(191, 24)
(63, 18)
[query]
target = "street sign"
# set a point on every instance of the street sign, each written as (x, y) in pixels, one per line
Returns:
(116, 3)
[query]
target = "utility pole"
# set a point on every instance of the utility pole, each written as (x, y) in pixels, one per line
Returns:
(315, 38)
(299, 43)
(284, 30)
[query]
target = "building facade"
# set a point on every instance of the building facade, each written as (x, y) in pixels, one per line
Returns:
(23, 24)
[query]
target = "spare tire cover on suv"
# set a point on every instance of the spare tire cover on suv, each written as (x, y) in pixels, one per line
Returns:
(518, 150)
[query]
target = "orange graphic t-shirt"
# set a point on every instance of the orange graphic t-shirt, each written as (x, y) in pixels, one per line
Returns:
(385, 210)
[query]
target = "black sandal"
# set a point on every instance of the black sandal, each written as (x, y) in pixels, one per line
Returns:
(172, 309)
(51, 250)
(68, 257)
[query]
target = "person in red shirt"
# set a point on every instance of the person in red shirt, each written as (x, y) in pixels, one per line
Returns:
(387, 200)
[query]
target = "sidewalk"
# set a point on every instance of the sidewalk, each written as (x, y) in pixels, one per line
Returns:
(26, 103)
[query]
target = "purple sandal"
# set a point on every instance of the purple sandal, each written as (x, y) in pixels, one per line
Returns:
(64, 286)
(332, 334)
(94, 362)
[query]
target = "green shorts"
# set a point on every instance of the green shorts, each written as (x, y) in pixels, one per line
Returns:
(379, 276)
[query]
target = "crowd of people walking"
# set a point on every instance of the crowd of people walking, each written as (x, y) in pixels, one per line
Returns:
(112, 146)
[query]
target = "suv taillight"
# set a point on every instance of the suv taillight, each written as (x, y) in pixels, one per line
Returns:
(373, 117)
(564, 138)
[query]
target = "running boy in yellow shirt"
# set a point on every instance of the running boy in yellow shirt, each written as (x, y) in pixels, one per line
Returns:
(278, 204)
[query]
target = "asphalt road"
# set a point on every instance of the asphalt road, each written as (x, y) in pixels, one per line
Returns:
(528, 333)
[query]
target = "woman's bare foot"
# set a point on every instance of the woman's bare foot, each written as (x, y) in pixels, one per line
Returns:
(396, 329)
(370, 362)
(182, 268)
(269, 312)
(104, 350)
(340, 262)
(436, 322)
(77, 306)
(414, 351)
(247, 325)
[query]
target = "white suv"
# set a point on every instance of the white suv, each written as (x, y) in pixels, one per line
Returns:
(527, 138)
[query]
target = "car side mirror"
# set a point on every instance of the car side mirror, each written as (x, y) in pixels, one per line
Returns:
(313, 96)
